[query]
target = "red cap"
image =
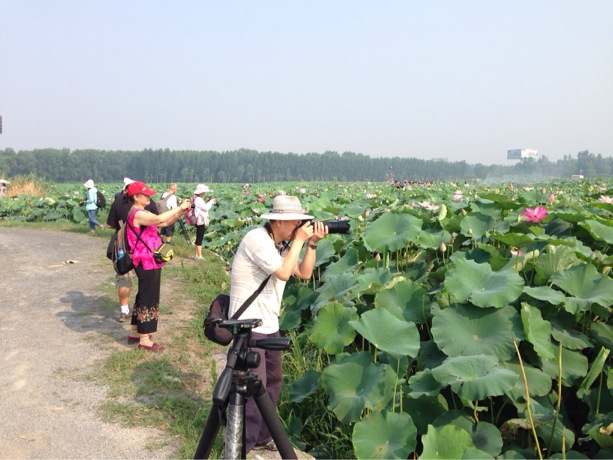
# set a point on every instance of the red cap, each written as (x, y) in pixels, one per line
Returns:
(139, 187)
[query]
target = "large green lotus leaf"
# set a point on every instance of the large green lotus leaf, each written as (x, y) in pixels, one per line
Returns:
(347, 263)
(325, 252)
(424, 410)
(602, 334)
(562, 436)
(485, 436)
(574, 366)
(546, 294)
(539, 383)
(406, 300)
(468, 330)
(431, 239)
(515, 240)
(503, 201)
(331, 328)
(423, 383)
(388, 333)
(342, 289)
(586, 285)
(392, 232)
(445, 443)
(598, 230)
(384, 435)
(562, 331)
(538, 331)
(475, 377)
(553, 260)
(469, 281)
(477, 225)
(372, 280)
(304, 386)
(355, 383)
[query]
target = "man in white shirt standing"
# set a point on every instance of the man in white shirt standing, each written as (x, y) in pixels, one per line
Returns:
(274, 250)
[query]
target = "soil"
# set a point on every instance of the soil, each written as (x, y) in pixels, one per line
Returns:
(53, 333)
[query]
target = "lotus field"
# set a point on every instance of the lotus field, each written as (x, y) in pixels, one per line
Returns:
(453, 321)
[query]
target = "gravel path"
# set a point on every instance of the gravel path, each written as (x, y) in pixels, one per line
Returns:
(51, 335)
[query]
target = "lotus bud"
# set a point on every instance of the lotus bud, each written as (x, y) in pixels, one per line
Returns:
(551, 197)
(463, 211)
(443, 246)
(367, 213)
(593, 255)
(377, 257)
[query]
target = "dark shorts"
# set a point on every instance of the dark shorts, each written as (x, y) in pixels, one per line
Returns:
(168, 231)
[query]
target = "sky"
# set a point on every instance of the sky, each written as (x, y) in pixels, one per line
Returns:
(463, 80)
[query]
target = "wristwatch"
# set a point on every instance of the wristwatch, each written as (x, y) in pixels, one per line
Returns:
(312, 246)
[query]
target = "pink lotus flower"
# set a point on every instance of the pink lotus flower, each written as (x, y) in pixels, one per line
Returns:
(535, 214)
(605, 199)
(457, 196)
(550, 197)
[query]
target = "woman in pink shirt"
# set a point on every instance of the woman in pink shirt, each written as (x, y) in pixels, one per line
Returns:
(143, 239)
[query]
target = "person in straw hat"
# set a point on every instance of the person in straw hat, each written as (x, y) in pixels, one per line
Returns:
(273, 249)
(201, 211)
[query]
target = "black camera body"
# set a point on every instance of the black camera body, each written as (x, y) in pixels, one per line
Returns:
(337, 226)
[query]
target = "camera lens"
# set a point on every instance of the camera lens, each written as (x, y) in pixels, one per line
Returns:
(337, 226)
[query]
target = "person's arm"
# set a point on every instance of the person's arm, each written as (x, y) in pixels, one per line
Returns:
(305, 269)
(161, 220)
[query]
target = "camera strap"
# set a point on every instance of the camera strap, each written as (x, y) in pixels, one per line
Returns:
(250, 300)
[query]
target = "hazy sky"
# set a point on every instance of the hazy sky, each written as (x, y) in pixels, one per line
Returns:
(458, 79)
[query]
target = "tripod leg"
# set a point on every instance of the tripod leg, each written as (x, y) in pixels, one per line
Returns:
(235, 412)
(208, 434)
(271, 418)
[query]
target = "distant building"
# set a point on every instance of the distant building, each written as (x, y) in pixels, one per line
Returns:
(520, 154)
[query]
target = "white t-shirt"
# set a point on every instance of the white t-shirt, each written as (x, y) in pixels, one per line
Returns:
(256, 258)
(171, 202)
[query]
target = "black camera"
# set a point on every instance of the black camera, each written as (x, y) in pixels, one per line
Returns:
(337, 226)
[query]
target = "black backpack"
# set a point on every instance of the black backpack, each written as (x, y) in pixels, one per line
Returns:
(100, 200)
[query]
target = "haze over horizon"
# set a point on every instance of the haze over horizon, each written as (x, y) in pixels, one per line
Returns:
(463, 80)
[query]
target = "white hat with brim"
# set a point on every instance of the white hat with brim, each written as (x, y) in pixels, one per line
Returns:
(89, 184)
(286, 207)
(201, 188)
(127, 181)
(3, 181)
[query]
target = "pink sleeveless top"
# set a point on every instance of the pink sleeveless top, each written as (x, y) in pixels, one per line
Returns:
(140, 253)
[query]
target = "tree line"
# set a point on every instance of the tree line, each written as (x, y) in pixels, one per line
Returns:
(250, 166)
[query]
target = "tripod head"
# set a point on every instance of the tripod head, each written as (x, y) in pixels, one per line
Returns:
(240, 357)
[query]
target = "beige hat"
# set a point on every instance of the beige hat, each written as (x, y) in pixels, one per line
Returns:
(89, 184)
(285, 207)
(201, 188)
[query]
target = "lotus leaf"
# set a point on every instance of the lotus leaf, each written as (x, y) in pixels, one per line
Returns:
(485, 436)
(554, 259)
(599, 230)
(406, 300)
(467, 330)
(446, 442)
(342, 288)
(538, 331)
(595, 369)
(539, 383)
(602, 334)
(477, 225)
(469, 281)
(304, 386)
(388, 333)
(475, 377)
(372, 280)
(347, 263)
(384, 435)
(431, 239)
(562, 331)
(574, 366)
(586, 285)
(423, 383)
(425, 410)
(392, 232)
(355, 383)
(332, 330)
(546, 294)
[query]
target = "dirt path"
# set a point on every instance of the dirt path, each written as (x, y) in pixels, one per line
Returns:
(50, 335)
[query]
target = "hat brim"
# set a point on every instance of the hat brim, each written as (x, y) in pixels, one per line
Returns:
(147, 192)
(285, 216)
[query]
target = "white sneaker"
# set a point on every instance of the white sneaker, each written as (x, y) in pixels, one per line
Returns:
(199, 258)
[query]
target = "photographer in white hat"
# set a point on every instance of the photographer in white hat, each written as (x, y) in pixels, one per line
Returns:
(274, 250)
(201, 211)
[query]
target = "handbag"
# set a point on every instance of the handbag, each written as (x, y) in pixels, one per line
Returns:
(164, 253)
(218, 312)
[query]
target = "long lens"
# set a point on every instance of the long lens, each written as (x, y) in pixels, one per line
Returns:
(337, 226)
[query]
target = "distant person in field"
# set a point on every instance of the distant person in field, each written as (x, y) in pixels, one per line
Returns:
(119, 212)
(3, 188)
(201, 211)
(90, 206)
(167, 201)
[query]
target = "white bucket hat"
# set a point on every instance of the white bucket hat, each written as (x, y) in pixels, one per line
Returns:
(89, 184)
(285, 207)
(201, 188)
(127, 181)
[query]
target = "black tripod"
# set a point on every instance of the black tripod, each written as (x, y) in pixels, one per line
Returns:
(235, 385)
(184, 231)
